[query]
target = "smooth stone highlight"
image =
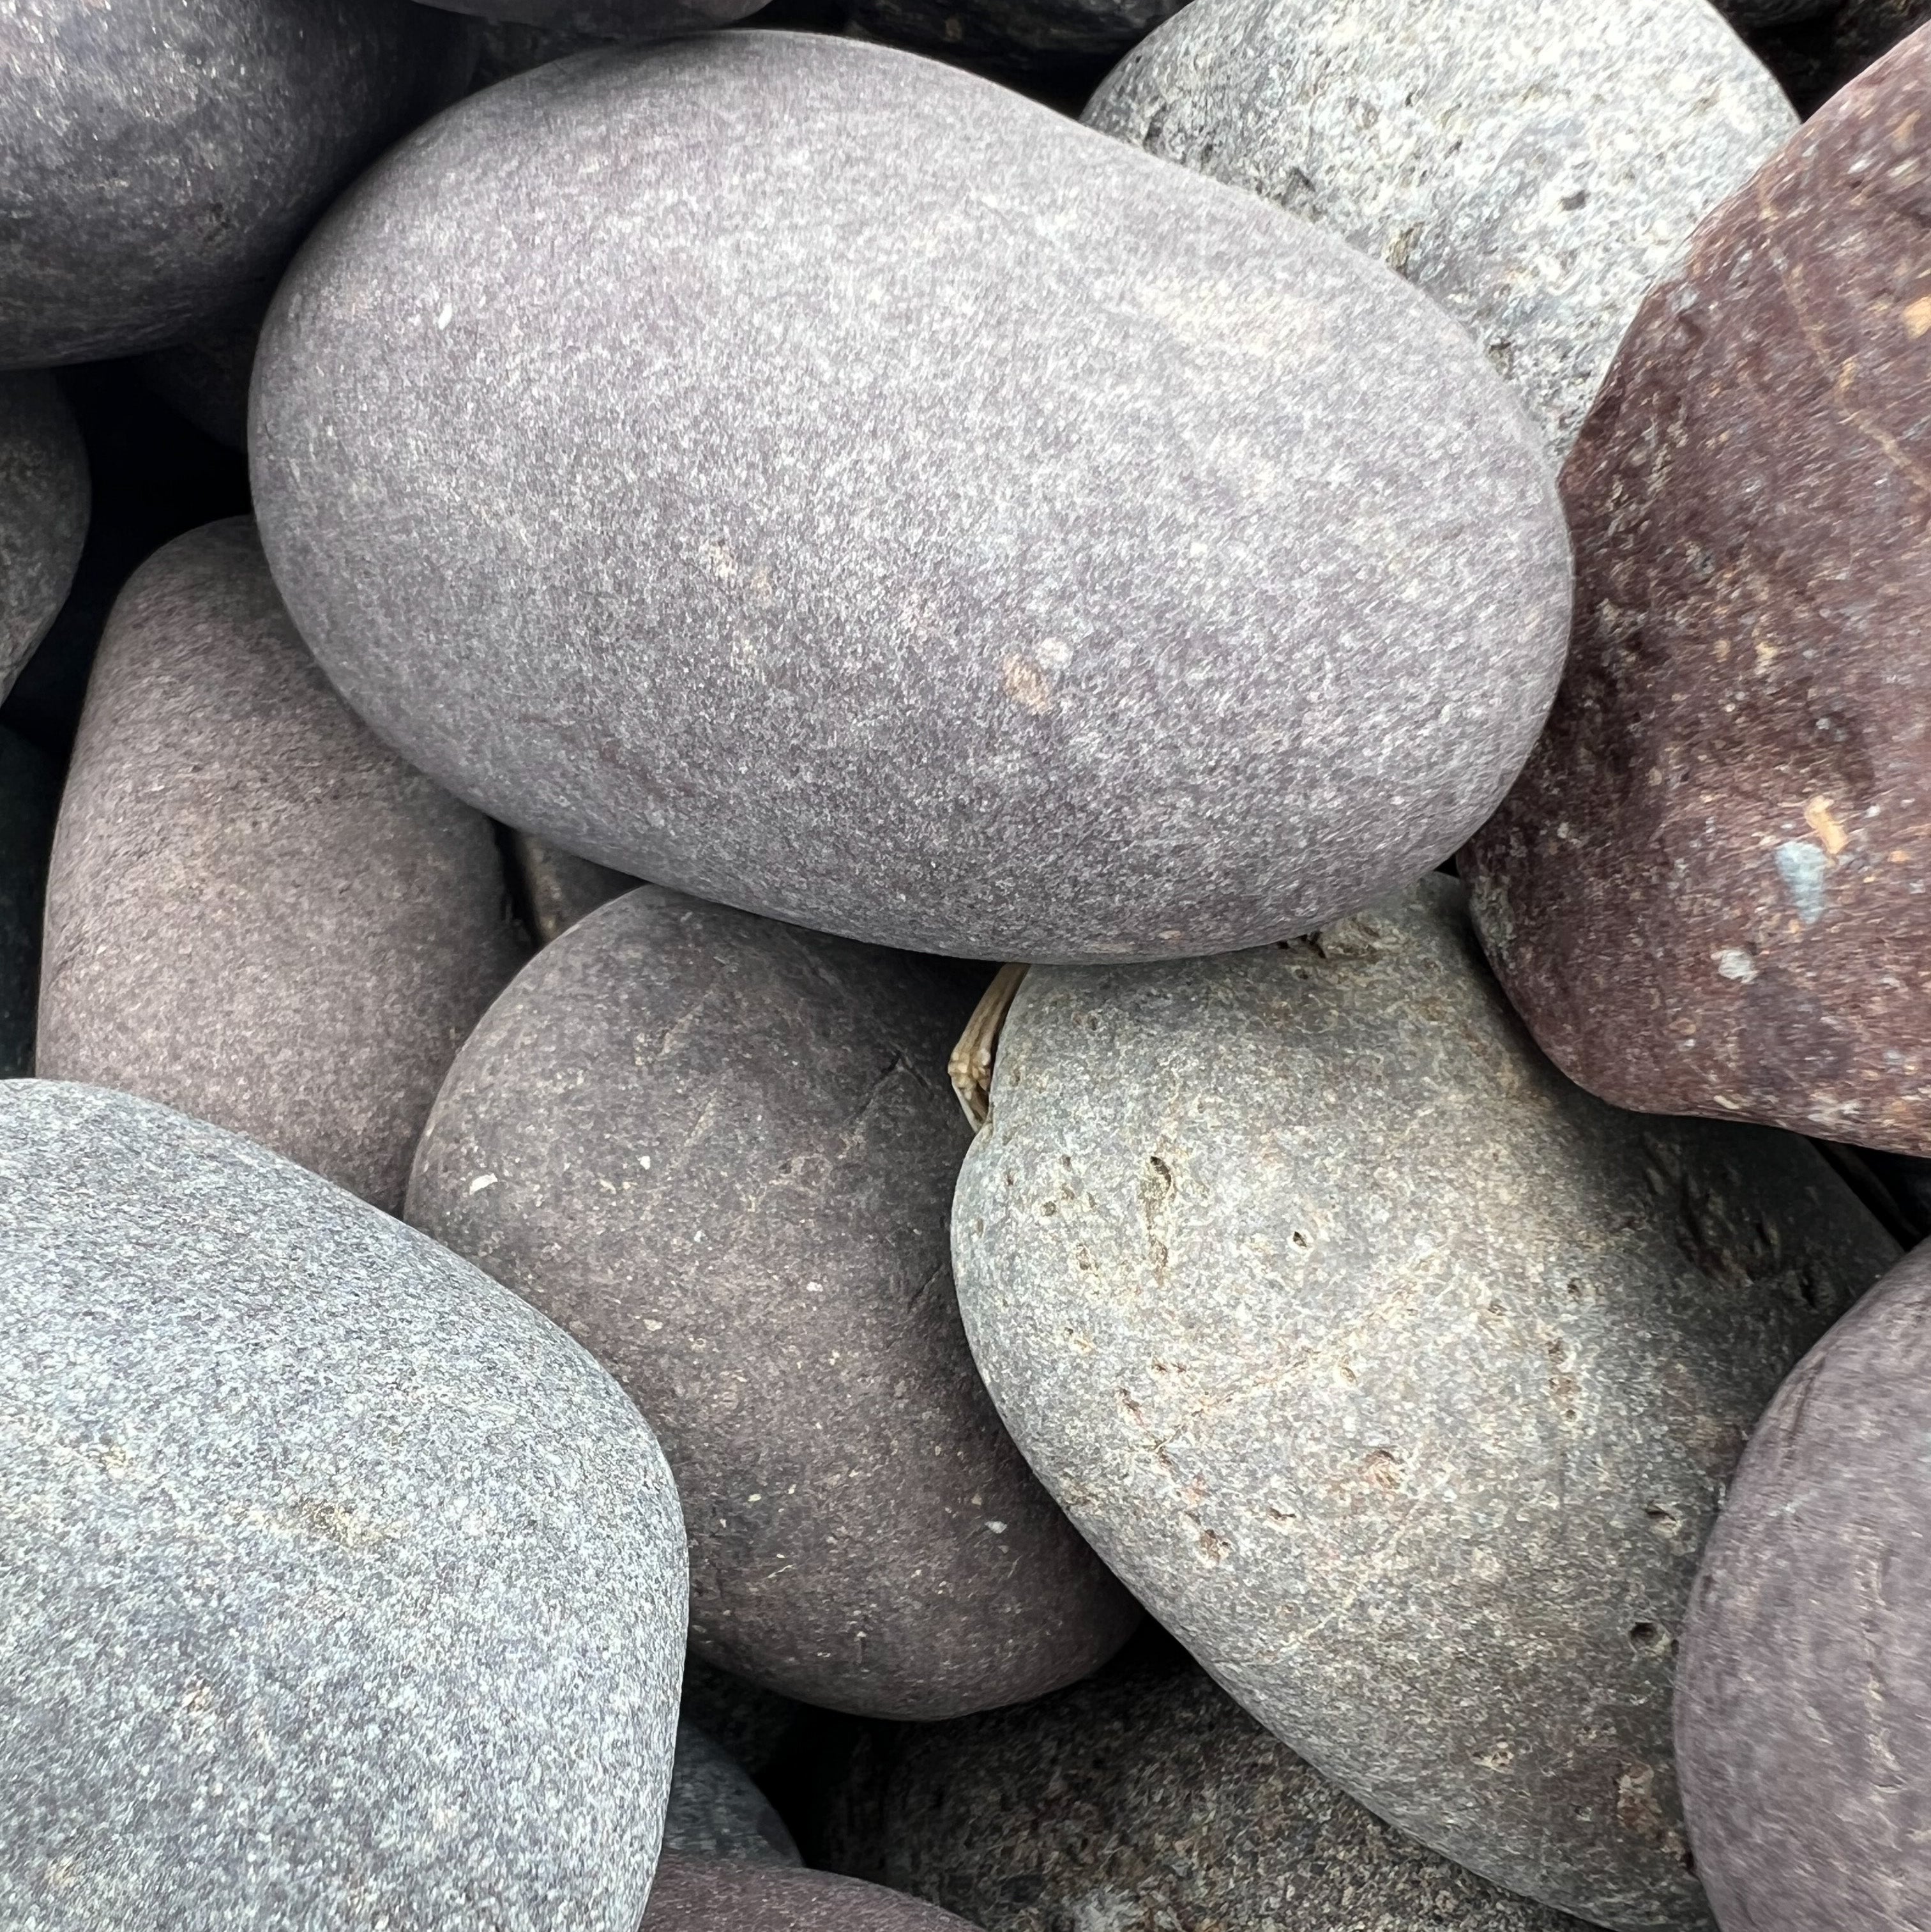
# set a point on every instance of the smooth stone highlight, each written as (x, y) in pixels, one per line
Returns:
(256, 912)
(711, 1894)
(715, 1811)
(45, 500)
(1398, 1377)
(341, 1589)
(1153, 575)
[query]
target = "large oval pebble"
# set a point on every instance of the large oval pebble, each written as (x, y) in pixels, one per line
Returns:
(1398, 1377)
(341, 1589)
(1020, 549)
(44, 503)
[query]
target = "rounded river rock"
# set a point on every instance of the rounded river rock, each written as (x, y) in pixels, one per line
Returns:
(1082, 560)
(341, 1589)
(1709, 892)
(256, 912)
(1397, 1377)
(730, 1895)
(44, 503)
(1533, 165)
(718, 1151)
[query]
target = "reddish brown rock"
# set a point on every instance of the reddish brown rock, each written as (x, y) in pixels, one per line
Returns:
(1709, 892)
(693, 1894)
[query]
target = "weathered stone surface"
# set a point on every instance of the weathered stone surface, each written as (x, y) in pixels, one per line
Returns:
(1396, 1376)
(716, 1811)
(1154, 575)
(256, 912)
(718, 1151)
(1533, 165)
(44, 499)
(617, 19)
(1043, 39)
(1802, 1702)
(206, 379)
(710, 1895)
(160, 162)
(1141, 1800)
(341, 1589)
(29, 795)
(557, 888)
(1706, 893)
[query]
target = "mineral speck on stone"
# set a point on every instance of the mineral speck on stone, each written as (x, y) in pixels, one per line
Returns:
(44, 504)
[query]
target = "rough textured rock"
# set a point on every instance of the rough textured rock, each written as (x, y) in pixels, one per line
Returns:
(1801, 1702)
(1396, 1376)
(1707, 894)
(709, 1894)
(615, 19)
(1533, 165)
(206, 379)
(44, 500)
(1141, 1801)
(341, 1589)
(161, 161)
(1047, 40)
(1169, 577)
(716, 1811)
(557, 888)
(29, 795)
(719, 1151)
(256, 912)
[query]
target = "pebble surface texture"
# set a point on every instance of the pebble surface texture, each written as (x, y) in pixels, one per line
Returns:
(1708, 893)
(718, 1151)
(1168, 578)
(1397, 1377)
(44, 502)
(160, 159)
(1044, 39)
(1533, 165)
(1802, 1703)
(29, 796)
(1141, 1802)
(715, 1894)
(715, 1811)
(256, 912)
(341, 1589)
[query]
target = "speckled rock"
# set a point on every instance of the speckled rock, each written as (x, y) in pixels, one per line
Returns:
(206, 379)
(29, 794)
(1138, 1802)
(719, 1151)
(1533, 165)
(341, 1589)
(1802, 1702)
(1046, 40)
(1396, 1376)
(557, 888)
(44, 500)
(256, 912)
(712, 1894)
(716, 1811)
(1708, 893)
(161, 161)
(1168, 577)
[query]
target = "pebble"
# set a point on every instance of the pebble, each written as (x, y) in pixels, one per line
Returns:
(44, 502)
(715, 1811)
(1802, 1700)
(1707, 894)
(29, 796)
(256, 912)
(707, 1894)
(1397, 1377)
(162, 161)
(1533, 165)
(1194, 579)
(341, 1588)
(719, 1151)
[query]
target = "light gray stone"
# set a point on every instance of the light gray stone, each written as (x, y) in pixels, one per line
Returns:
(1027, 550)
(718, 1151)
(1533, 165)
(1398, 1377)
(341, 1589)
(726, 1895)
(716, 1811)
(45, 498)
(29, 796)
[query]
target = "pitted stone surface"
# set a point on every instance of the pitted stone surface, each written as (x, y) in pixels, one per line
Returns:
(341, 1588)
(29, 796)
(44, 502)
(1082, 559)
(712, 1894)
(1708, 893)
(1398, 1377)
(160, 160)
(715, 1811)
(256, 912)
(1533, 165)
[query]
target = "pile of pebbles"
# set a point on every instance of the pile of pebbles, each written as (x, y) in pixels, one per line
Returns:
(964, 962)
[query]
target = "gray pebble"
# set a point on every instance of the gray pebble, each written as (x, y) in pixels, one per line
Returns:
(29, 795)
(728, 1895)
(257, 913)
(1081, 559)
(341, 1589)
(44, 503)
(715, 1811)
(1395, 1375)
(1533, 165)
(718, 1151)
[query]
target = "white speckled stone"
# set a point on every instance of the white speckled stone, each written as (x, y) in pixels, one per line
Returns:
(1533, 165)
(716, 1811)
(1398, 1377)
(1023, 549)
(44, 502)
(341, 1590)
